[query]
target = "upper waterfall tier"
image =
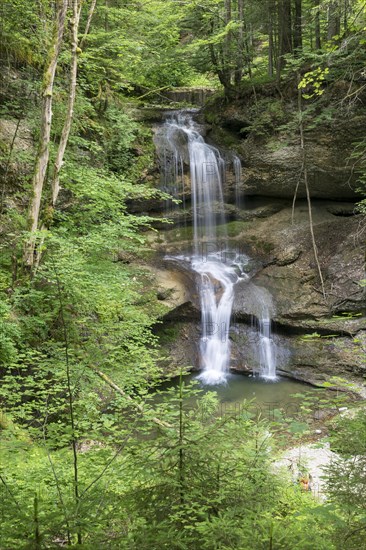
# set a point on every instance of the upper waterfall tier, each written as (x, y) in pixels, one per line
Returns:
(180, 143)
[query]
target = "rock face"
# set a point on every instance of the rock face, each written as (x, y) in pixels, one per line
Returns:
(192, 96)
(272, 162)
(315, 338)
(276, 172)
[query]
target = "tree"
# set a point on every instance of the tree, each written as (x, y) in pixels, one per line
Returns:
(297, 39)
(284, 32)
(41, 162)
(334, 20)
(75, 19)
(317, 25)
(346, 480)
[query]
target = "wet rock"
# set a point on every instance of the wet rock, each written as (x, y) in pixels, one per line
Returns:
(314, 360)
(344, 210)
(315, 339)
(272, 163)
(288, 256)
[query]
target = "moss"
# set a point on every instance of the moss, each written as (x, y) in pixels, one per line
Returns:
(235, 228)
(179, 234)
(263, 247)
(168, 334)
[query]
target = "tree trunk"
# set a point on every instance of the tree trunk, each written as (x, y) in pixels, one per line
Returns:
(270, 39)
(345, 16)
(42, 158)
(88, 22)
(228, 44)
(304, 171)
(317, 26)
(298, 26)
(334, 20)
(285, 34)
(240, 54)
(106, 23)
(76, 9)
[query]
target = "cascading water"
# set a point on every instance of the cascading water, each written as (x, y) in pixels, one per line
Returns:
(267, 352)
(180, 143)
(238, 179)
(216, 277)
(263, 309)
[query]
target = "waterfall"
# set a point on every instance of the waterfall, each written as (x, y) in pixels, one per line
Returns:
(263, 310)
(181, 146)
(216, 290)
(266, 350)
(206, 187)
(238, 180)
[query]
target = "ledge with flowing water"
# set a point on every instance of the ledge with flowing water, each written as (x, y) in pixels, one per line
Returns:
(182, 149)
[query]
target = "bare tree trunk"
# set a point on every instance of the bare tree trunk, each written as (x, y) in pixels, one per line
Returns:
(285, 34)
(106, 24)
(334, 20)
(240, 55)
(88, 22)
(317, 25)
(345, 16)
(306, 182)
(228, 42)
(76, 9)
(298, 26)
(247, 42)
(270, 40)
(42, 158)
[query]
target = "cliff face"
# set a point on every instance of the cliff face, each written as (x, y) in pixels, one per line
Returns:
(264, 133)
(314, 338)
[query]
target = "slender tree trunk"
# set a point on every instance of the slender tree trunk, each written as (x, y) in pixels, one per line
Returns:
(42, 158)
(317, 25)
(334, 20)
(345, 16)
(228, 44)
(240, 55)
(270, 40)
(88, 22)
(76, 9)
(247, 50)
(298, 26)
(306, 182)
(70, 398)
(181, 442)
(285, 34)
(106, 25)
(37, 533)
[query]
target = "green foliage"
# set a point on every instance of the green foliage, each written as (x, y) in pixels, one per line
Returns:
(266, 116)
(313, 80)
(346, 480)
(119, 137)
(205, 477)
(9, 335)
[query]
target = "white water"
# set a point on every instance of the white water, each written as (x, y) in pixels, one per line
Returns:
(267, 351)
(238, 181)
(216, 289)
(180, 143)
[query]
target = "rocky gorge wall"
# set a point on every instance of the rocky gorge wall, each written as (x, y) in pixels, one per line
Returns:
(263, 131)
(315, 338)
